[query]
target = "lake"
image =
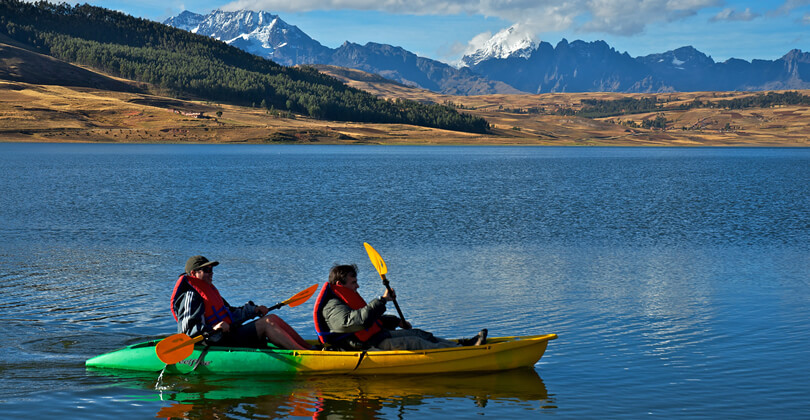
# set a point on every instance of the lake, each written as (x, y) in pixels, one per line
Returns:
(677, 279)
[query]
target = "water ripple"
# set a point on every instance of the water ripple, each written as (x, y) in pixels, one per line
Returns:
(675, 279)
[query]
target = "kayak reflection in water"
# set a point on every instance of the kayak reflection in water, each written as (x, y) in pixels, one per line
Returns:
(198, 309)
(345, 321)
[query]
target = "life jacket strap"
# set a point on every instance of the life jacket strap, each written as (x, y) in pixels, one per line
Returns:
(218, 316)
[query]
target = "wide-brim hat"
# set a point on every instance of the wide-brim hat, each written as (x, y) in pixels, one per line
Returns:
(197, 262)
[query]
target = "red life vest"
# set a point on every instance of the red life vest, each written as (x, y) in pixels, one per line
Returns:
(350, 298)
(215, 309)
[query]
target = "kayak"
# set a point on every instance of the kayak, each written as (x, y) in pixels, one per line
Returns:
(499, 353)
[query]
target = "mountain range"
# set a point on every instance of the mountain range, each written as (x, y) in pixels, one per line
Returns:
(266, 35)
(508, 63)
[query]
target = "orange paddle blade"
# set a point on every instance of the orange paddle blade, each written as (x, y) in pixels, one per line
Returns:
(376, 259)
(301, 296)
(175, 348)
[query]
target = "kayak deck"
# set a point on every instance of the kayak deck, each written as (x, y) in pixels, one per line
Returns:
(499, 353)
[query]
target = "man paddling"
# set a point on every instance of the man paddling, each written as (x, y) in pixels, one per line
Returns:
(344, 320)
(198, 308)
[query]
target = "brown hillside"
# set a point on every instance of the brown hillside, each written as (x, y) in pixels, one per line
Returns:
(43, 99)
(778, 126)
(20, 65)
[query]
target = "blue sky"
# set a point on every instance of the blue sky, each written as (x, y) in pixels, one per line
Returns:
(445, 29)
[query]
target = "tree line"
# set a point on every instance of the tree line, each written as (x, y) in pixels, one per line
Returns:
(600, 108)
(182, 63)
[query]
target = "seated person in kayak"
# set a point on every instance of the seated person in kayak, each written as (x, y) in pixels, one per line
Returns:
(344, 320)
(198, 308)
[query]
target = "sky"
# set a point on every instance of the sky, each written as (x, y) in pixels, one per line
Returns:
(445, 29)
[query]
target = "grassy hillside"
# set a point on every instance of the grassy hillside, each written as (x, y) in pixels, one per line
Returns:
(47, 112)
(182, 64)
(721, 119)
(38, 105)
(20, 65)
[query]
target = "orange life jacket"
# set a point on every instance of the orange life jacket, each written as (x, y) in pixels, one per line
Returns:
(350, 298)
(215, 309)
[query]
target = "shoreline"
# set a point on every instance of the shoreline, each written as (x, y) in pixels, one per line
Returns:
(410, 144)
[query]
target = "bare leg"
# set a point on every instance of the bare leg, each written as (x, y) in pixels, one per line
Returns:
(280, 333)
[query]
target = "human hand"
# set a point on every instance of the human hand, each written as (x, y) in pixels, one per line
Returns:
(222, 326)
(405, 325)
(262, 310)
(389, 295)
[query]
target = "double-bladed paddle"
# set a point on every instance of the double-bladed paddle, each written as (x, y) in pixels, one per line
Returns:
(297, 298)
(177, 347)
(379, 264)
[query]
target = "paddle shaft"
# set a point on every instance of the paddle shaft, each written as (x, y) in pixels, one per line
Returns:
(393, 297)
(272, 308)
(295, 300)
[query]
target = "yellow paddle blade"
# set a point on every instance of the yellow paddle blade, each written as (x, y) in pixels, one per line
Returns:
(376, 259)
(301, 296)
(175, 348)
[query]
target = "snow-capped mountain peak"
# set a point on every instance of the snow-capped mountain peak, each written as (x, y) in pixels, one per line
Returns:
(260, 33)
(510, 42)
(231, 25)
(187, 21)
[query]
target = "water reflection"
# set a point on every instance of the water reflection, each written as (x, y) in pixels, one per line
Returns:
(335, 397)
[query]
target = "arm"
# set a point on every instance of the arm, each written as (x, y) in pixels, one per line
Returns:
(340, 317)
(391, 322)
(243, 313)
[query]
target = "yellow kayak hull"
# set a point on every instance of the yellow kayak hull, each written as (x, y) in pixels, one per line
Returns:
(498, 354)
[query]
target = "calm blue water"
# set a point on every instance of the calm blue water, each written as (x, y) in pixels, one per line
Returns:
(678, 280)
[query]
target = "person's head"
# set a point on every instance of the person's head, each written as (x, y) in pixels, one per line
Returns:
(199, 266)
(344, 275)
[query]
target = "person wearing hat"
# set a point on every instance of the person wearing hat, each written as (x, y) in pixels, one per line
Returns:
(198, 309)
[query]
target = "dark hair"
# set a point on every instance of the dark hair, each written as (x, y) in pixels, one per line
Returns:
(339, 273)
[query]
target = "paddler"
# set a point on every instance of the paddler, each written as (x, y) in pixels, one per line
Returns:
(344, 320)
(198, 308)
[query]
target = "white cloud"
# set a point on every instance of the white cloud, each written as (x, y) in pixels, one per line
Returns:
(806, 19)
(391, 6)
(733, 15)
(618, 17)
(452, 51)
(478, 41)
(794, 4)
(788, 6)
